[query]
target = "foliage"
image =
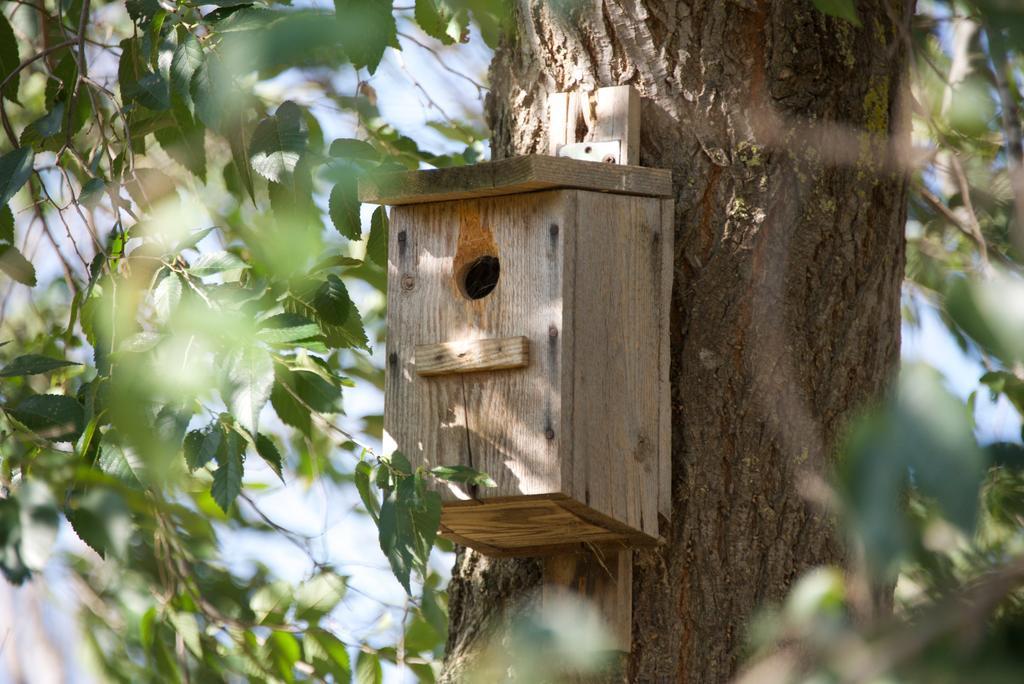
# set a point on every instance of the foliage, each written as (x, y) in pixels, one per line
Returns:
(207, 288)
(931, 500)
(196, 317)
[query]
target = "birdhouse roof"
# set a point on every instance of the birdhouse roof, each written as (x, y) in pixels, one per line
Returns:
(512, 176)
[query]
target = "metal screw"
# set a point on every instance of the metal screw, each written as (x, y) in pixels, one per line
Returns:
(609, 159)
(552, 332)
(401, 236)
(549, 433)
(553, 229)
(408, 282)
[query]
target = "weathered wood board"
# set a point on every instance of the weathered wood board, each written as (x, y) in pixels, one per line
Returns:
(579, 420)
(518, 175)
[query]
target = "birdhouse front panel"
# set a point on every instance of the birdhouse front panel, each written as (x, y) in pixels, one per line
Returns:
(464, 273)
(527, 339)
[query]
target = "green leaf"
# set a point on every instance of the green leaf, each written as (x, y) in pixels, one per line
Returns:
(227, 479)
(188, 57)
(201, 446)
(285, 652)
(289, 409)
(116, 462)
(101, 518)
(16, 266)
(190, 241)
(44, 132)
(15, 168)
(212, 263)
(350, 148)
(321, 301)
(250, 376)
(318, 596)
(843, 9)
(368, 670)
(377, 242)
(187, 627)
(33, 364)
(343, 206)
(92, 193)
(268, 452)
(332, 303)
(278, 142)
(9, 60)
(153, 91)
(240, 159)
(54, 416)
(362, 474)
(271, 601)
(184, 140)
(463, 474)
(166, 297)
(142, 11)
(206, 88)
(439, 20)
(6, 225)
(287, 327)
(366, 28)
(327, 653)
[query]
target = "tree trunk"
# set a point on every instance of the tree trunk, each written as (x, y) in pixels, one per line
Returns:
(784, 129)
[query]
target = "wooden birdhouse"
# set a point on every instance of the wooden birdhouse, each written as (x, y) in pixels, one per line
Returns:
(528, 310)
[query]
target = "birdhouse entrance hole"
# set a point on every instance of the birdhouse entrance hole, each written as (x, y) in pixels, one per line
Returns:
(480, 277)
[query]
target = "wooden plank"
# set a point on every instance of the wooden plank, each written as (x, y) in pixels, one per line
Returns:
(446, 358)
(618, 118)
(506, 424)
(664, 317)
(616, 356)
(602, 576)
(558, 117)
(512, 176)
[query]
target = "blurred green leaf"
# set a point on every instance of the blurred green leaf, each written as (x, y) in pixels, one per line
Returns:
(318, 596)
(366, 28)
(278, 142)
(9, 61)
(250, 376)
(212, 263)
(328, 654)
(33, 364)
(201, 446)
(368, 670)
(227, 479)
(54, 416)
(343, 204)
(267, 450)
(15, 168)
(16, 266)
(377, 242)
(464, 475)
(350, 148)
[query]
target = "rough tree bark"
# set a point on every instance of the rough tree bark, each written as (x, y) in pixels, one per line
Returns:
(783, 128)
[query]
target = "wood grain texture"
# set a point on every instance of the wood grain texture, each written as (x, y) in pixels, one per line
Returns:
(619, 335)
(582, 285)
(602, 576)
(610, 113)
(503, 423)
(512, 176)
(469, 356)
